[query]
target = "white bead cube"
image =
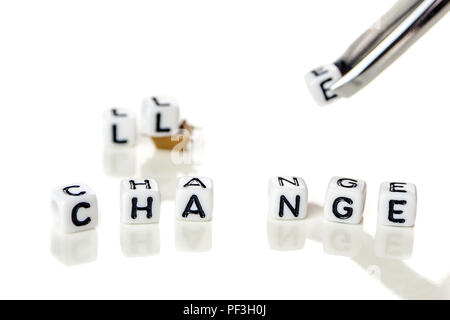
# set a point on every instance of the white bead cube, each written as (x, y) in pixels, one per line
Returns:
(159, 116)
(194, 199)
(74, 208)
(319, 82)
(345, 199)
(397, 204)
(119, 127)
(288, 198)
(140, 201)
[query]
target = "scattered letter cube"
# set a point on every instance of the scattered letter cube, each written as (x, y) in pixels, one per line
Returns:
(119, 127)
(139, 201)
(397, 204)
(319, 82)
(288, 198)
(345, 200)
(194, 199)
(74, 208)
(159, 116)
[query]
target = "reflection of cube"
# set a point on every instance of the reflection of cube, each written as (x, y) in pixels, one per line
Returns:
(397, 204)
(286, 235)
(139, 201)
(342, 239)
(288, 198)
(394, 243)
(74, 248)
(159, 116)
(119, 127)
(345, 200)
(120, 162)
(193, 237)
(74, 208)
(194, 199)
(319, 82)
(139, 240)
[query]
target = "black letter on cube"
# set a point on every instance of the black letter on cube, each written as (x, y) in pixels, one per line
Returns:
(392, 210)
(188, 210)
(75, 209)
(295, 211)
(135, 207)
(348, 210)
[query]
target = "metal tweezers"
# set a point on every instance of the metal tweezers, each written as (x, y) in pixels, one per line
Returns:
(382, 44)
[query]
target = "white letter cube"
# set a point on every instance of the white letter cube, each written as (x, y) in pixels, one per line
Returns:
(397, 204)
(119, 127)
(159, 117)
(194, 199)
(288, 198)
(140, 201)
(319, 82)
(74, 208)
(344, 201)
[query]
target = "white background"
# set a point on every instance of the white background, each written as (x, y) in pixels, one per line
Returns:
(236, 68)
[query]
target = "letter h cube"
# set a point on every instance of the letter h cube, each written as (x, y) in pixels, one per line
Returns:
(140, 201)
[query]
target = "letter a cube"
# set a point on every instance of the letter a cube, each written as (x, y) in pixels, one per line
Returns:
(194, 199)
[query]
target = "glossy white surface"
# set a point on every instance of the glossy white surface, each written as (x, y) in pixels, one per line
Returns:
(244, 87)
(394, 243)
(74, 248)
(141, 240)
(193, 237)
